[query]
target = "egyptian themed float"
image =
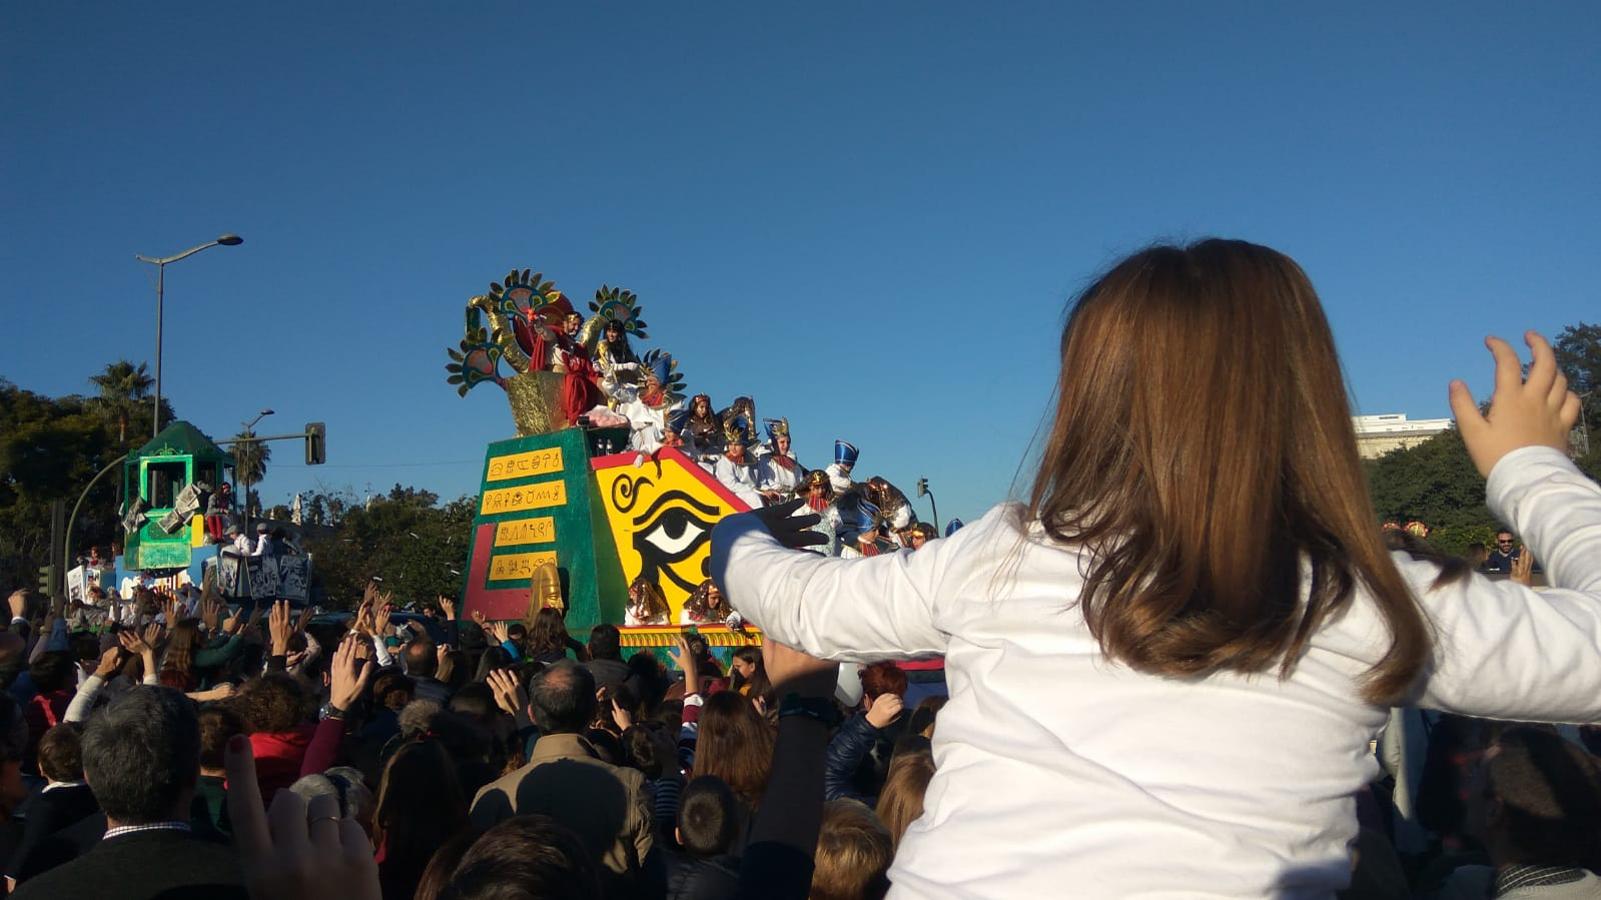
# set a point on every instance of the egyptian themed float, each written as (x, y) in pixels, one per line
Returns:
(572, 512)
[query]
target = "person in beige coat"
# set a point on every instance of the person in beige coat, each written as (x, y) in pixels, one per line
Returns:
(608, 806)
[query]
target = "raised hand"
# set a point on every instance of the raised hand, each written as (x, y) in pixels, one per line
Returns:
(362, 623)
(280, 627)
(132, 641)
(298, 851)
(381, 614)
(349, 674)
(509, 693)
(1537, 411)
(884, 710)
(622, 717)
(110, 661)
(211, 611)
(1523, 568)
(791, 530)
(679, 651)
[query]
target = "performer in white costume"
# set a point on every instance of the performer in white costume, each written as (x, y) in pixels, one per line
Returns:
(735, 469)
(819, 494)
(649, 406)
(839, 471)
(778, 472)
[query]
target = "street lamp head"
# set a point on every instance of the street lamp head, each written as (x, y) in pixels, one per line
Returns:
(230, 240)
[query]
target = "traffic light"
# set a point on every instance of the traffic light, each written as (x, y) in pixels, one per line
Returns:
(316, 443)
(47, 580)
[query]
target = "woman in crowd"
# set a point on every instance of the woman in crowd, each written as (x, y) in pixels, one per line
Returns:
(548, 640)
(1179, 649)
(420, 807)
(749, 676)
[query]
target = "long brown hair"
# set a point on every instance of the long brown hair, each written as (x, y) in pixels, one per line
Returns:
(420, 806)
(735, 744)
(1202, 449)
(548, 634)
(180, 653)
(901, 801)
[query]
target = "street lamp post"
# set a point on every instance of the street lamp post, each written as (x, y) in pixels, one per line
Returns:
(227, 240)
(245, 439)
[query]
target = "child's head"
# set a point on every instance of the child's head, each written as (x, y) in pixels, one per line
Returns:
(1202, 448)
(61, 753)
(708, 817)
(853, 854)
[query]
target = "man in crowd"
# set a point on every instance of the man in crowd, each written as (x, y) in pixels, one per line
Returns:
(1506, 553)
(566, 779)
(141, 758)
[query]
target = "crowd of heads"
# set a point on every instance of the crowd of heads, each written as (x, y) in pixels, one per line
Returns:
(408, 729)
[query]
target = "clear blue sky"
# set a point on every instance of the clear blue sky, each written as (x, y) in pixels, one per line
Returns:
(868, 216)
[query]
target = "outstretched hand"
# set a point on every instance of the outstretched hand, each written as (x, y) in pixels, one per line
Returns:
(1537, 411)
(794, 532)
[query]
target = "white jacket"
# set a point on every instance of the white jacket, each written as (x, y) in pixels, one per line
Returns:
(1061, 774)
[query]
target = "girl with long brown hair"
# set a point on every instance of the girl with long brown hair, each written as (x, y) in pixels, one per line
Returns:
(734, 743)
(1166, 666)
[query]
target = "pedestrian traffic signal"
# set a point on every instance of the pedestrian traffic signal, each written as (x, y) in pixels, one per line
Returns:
(316, 443)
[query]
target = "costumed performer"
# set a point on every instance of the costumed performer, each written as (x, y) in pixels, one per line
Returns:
(706, 606)
(819, 494)
(616, 360)
(566, 353)
(735, 469)
(839, 471)
(702, 431)
(649, 406)
(778, 472)
(860, 528)
(647, 605)
(893, 507)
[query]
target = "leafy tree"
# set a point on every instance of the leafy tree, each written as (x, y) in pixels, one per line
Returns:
(124, 394)
(1578, 353)
(1434, 482)
(418, 547)
(49, 450)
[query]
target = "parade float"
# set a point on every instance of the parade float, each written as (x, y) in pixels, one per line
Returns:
(573, 511)
(176, 503)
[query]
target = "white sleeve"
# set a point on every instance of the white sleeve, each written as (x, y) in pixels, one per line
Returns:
(84, 699)
(380, 653)
(1505, 651)
(840, 609)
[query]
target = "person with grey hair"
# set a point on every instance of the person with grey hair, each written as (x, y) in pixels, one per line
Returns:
(345, 785)
(141, 757)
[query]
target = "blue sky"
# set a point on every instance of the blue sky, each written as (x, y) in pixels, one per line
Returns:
(868, 216)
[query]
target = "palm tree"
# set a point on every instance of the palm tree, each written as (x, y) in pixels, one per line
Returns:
(250, 458)
(124, 388)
